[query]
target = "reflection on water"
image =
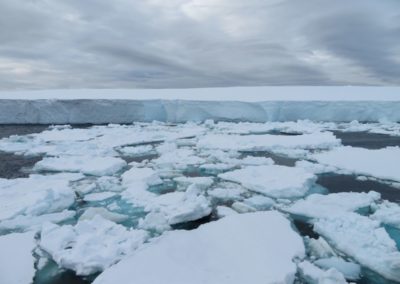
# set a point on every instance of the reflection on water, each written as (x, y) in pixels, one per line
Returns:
(367, 140)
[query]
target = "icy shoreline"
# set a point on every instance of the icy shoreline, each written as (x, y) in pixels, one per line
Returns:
(100, 111)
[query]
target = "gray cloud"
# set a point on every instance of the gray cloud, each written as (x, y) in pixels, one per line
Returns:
(198, 43)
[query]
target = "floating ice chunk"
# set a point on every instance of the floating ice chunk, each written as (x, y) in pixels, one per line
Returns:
(387, 213)
(35, 195)
(217, 167)
(315, 167)
(223, 211)
(97, 166)
(179, 207)
(136, 181)
(273, 180)
(143, 175)
(265, 240)
(317, 140)
(241, 207)
(91, 212)
(16, 259)
(319, 248)
(320, 206)
(350, 270)
(363, 240)
(137, 150)
(201, 182)
(23, 222)
(98, 196)
(179, 158)
(154, 221)
(229, 193)
(381, 163)
(91, 245)
(259, 202)
(256, 161)
(314, 275)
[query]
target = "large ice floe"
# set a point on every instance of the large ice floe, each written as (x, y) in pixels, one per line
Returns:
(266, 242)
(211, 202)
(380, 163)
(273, 180)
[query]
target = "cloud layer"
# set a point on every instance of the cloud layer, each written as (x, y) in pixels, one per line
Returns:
(198, 43)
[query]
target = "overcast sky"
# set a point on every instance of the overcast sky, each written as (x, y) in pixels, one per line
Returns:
(198, 43)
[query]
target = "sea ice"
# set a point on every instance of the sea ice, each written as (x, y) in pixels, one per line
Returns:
(314, 275)
(381, 163)
(320, 206)
(273, 180)
(35, 195)
(91, 212)
(91, 245)
(16, 259)
(364, 240)
(97, 166)
(247, 248)
(317, 140)
(387, 213)
(350, 270)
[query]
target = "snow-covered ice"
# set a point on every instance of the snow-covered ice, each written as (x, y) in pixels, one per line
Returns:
(320, 206)
(35, 195)
(350, 270)
(91, 245)
(273, 180)
(97, 166)
(16, 258)
(249, 248)
(314, 275)
(364, 240)
(380, 163)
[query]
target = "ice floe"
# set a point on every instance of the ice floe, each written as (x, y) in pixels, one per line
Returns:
(16, 258)
(314, 275)
(97, 166)
(266, 242)
(364, 240)
(35, 195)
(91, 245)
(320, 206)
(350, 270)
(273, 180)
(380, 163)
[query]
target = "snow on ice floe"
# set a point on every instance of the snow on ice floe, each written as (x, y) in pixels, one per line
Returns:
(273, 180)
(248, 248)
(350, 270)
(26, 222)
(91, 245)
(381, 163)
(97, 166)
(364, 240)
(16, 258)
(36, 195)
(320, 206)
(314, 275)
(388, 213)
(317, 140)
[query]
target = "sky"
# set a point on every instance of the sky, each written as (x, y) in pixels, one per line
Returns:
(47, 44)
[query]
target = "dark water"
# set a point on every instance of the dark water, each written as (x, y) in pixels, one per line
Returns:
(7, 130)
(367, 140)
(16, 166)
(345, 183)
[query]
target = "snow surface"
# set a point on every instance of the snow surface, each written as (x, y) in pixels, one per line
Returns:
(273, 180)
(314, 275)
(16, 259)
(91, 245)
(380, 163)
(249, 248)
